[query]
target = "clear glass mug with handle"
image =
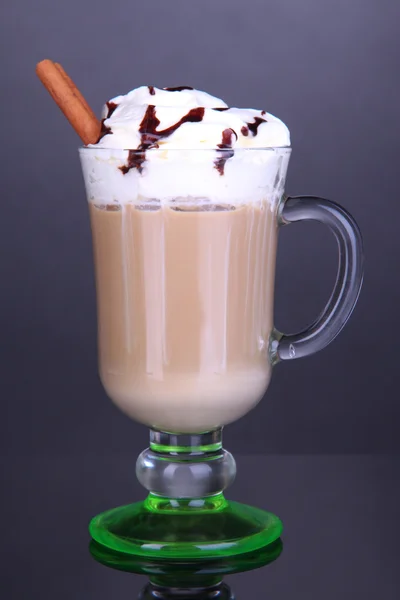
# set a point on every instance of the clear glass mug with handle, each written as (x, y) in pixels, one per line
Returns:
(184, 252)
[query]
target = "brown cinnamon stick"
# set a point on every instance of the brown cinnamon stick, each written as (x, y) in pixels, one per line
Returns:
(75, 89)
(70, 100)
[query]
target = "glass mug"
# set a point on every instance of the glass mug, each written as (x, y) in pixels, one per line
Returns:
(184, 257)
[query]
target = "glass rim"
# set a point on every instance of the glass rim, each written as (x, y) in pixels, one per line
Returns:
(283, 149)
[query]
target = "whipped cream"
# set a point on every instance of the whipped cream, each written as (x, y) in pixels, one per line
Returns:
(127, 119)
(162, 144)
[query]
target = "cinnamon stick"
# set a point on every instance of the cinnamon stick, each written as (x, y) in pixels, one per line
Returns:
(70, 100)
(75, 89)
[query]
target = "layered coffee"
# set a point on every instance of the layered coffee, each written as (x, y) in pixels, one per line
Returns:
(184, 234)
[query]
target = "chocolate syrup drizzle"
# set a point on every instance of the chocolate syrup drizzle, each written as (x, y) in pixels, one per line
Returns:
(226, 146)
(179, 88)
(105, 130)
(150, 136)
(254, 126)
(111, 107)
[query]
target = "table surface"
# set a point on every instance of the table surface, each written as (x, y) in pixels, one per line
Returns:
(340, 513)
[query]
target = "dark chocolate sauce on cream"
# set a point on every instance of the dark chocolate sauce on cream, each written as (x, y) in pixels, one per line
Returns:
(148, 127)
(152, 91)
(150, 135)
(179, 88)
(111, 106)
(136, 159)
(105, 130)
(255, 125)
(226, 146)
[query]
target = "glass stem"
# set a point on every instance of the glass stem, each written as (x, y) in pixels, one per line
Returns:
(186, 467)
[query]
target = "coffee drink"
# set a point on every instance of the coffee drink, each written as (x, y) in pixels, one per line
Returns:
(184, 250)
(185, 302)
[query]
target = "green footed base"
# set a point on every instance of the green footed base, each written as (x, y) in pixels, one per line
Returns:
(189, 530)
(187, 573)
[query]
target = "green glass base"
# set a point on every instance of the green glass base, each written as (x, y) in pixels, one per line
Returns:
(187, 573)
(190, 530)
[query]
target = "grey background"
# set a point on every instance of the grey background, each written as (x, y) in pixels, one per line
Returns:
(330, 70)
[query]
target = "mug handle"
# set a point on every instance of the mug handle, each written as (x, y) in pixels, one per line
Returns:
(348, 281)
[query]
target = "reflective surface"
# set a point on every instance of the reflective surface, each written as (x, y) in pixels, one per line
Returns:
(185, 572)
(340, 537)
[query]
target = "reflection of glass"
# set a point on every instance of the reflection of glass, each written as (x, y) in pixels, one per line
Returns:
(199, 579)
(220, 591)
(186, 337)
